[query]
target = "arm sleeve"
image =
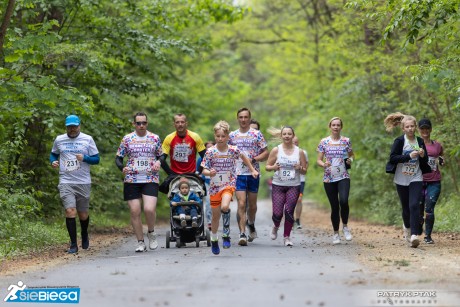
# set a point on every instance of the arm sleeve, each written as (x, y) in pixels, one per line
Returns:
(119, 162)
(164, 164)
(199, 168)
(92, 160)
(54, 157)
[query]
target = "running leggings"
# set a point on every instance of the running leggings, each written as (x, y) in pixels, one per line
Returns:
(410, 197)
(337, 193)
(429, 198)
(284, 199)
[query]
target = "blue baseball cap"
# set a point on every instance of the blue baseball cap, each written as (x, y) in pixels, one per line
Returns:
(72, 120)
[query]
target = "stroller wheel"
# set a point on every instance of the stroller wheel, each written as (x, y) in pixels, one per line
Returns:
(197, 241)
(208, 238)
(178, 243)
(168, 239)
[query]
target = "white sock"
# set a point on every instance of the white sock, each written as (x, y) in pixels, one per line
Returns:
(214, 236)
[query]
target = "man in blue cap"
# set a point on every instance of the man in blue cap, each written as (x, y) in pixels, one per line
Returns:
(73, 153)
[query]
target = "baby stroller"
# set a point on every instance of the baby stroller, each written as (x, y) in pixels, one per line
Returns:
(187, 234)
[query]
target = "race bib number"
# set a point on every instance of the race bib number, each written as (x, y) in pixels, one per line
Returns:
(432, 162)
(221, 178)
(142, 165)
(409, 169)
(287, 174)
(181, 153)
(71, 165)
(337, 171)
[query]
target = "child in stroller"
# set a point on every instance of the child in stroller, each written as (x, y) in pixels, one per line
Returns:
(185, 195)
(186, 218)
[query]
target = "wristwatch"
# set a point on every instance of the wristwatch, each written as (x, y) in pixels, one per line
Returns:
(253, 161)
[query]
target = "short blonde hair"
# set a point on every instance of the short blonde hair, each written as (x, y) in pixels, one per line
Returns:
(222, 125)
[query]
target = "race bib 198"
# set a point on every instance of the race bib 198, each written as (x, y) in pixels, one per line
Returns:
(142, 165)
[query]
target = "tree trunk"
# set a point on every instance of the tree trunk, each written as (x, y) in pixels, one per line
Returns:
(6, 22)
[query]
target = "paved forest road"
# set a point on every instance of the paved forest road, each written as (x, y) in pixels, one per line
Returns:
(265, 273)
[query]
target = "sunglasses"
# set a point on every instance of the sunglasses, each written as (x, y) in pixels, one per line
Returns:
(141, 123)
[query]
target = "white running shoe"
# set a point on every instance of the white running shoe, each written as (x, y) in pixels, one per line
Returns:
(347, 233)
(414, 241)
(406, 233)
(288, 242)
(336, 239)
(141, 247)
(274, 233)
(153, 244)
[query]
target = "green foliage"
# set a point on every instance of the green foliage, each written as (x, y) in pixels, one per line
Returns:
(293, 63)
(447, 213)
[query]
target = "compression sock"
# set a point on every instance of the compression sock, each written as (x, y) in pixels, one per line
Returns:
(226, 223)
(84, 229)
(72, 229)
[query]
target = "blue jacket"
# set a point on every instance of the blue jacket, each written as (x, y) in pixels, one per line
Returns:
(192, 196)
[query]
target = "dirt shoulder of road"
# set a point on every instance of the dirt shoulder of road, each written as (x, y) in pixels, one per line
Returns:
(57, 255)
(380, 249)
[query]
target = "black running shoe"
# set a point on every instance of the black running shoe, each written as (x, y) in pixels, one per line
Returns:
(73, 249)
(85, 242)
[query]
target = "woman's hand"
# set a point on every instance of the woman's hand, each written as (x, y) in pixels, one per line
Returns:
(421, 152)
(414, 154)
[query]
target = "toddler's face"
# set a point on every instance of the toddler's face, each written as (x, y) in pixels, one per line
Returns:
(184, 189)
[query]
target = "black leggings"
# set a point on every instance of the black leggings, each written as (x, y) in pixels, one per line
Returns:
(337, 193)
(409, 197)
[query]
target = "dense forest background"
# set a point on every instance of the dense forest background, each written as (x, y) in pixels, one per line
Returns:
(295, 63)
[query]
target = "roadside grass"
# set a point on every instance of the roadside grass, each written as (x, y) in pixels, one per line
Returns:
(23, 236)
(447, 214)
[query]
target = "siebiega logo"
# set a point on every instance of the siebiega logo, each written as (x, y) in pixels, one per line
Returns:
(20, 293)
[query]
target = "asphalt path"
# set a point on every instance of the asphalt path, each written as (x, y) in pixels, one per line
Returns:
(264, 273)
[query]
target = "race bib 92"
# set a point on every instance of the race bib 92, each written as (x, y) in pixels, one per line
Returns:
(286, 174)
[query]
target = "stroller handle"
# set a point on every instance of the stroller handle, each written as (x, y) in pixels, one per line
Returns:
(187, 203)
